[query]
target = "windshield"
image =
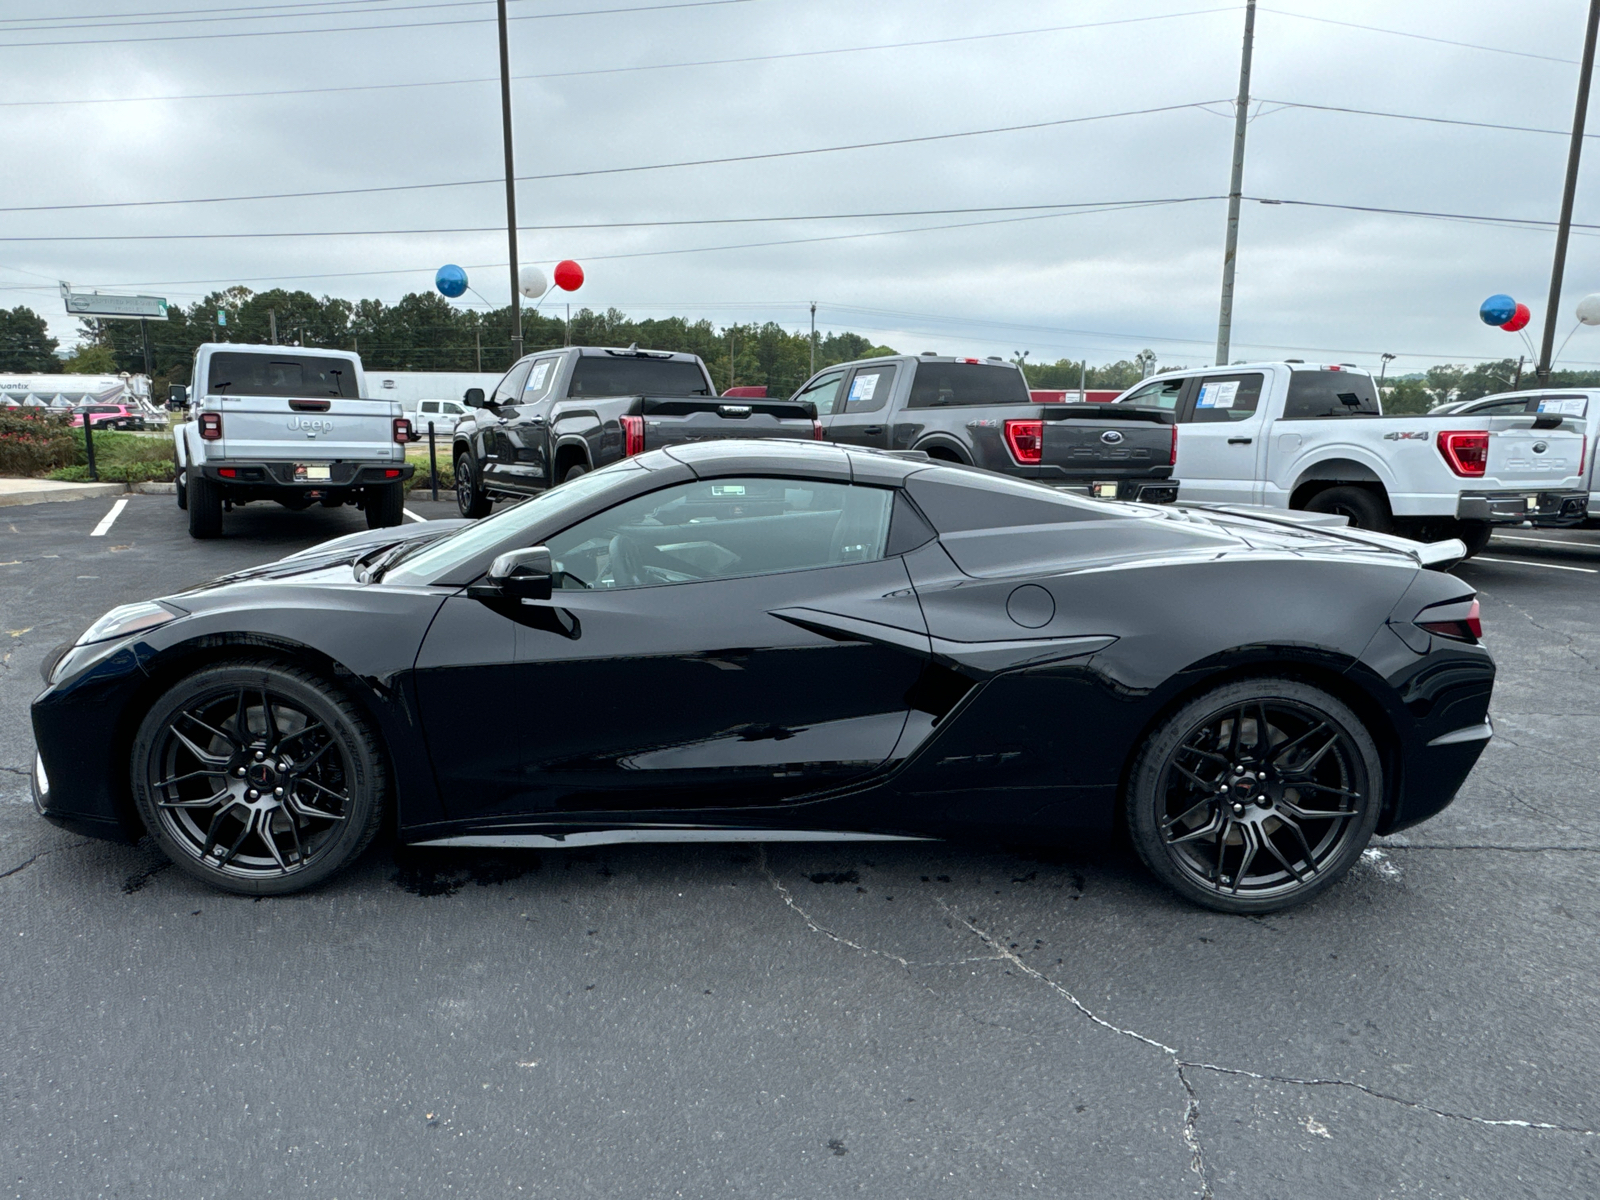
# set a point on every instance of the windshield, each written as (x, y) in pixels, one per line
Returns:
(452, 551)
(596, 376)
(290, 375)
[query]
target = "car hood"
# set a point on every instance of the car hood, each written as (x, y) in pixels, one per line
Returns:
(338, 552)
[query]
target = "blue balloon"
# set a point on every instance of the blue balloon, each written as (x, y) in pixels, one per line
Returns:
(1496, 310)
(452, 281)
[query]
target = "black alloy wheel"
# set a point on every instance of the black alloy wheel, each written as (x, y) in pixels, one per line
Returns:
(1256, 796)
(469, 496)
(258, 778)
(1363, 508)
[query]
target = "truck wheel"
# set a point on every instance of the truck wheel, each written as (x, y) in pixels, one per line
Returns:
(469, 495)
(1474, 535)
(178, 483)
(205, 508)
(1365, 510)
(574, 471)
(385, 506)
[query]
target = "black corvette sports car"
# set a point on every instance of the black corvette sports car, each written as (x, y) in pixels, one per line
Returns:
(784, 641)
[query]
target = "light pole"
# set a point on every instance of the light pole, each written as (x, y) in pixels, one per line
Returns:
(511, 184)
(1230, 250)
(1385, 360)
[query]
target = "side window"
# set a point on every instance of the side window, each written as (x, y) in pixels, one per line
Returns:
(723, 528)
(1226, 398)
(430, 406)
(540, 380)
(1500, 407)
(509, 388)
(822, 391)
(1158, 393)
(1314, 395)
(869, 389)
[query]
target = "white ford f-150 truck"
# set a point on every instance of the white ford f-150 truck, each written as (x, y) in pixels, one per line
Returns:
(1581, 405)
(1314, 437)
(289, 424)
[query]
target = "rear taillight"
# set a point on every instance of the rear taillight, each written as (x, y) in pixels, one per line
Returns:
(816, 430)
(211, 426)
(1172, 455)
(632, 436)
(1466, 451)
(1457, 619)
(1026, 439)
(403, 432)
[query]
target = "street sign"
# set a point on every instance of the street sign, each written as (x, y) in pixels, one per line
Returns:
(93, 304)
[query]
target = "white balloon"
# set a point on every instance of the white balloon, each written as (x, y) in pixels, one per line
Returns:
(532, 282)
(1589, 309)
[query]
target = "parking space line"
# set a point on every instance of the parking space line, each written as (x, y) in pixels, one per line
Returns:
(1511, 537)
(1524, 562)
(412, 515)
(106, 521)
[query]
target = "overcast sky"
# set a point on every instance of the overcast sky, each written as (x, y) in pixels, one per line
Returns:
(1314, 283)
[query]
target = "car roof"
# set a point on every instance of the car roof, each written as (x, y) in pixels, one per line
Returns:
(790, 457)
(248, 348)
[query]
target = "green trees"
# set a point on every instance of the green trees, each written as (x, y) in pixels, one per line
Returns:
(26, 346)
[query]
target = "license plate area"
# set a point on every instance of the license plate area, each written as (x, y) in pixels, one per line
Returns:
(312, 473)
(1103, 491)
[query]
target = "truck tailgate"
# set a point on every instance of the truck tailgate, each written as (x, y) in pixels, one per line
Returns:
(275, 428)
(678, 420)
(1523, 456)
(1096, 441)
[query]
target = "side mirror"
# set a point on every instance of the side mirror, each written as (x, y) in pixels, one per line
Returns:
(522, 574)
(473, 398)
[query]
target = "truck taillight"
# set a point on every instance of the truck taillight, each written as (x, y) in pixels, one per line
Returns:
(1466, 451)
(211, 426)
(816, 430)
(403, 432)
(632, 436)
(1172, 455)
(1026, 439)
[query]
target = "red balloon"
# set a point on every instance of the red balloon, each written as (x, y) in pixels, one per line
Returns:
(1518, 319)
(569, 275)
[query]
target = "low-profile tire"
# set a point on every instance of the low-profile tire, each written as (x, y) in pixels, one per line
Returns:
(386, 506)
(1474, 535)
(258, 778)
(1245, 823)
(574, 471)
(179, 483)
(470, 498)
(205, 508)
(1364, 507)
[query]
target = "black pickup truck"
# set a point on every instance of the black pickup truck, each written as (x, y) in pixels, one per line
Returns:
(559, 413)
(979, 412)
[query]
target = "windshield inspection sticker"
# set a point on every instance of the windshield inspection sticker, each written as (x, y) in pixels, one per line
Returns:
(862, 387)
(1572, 406)
(1218, 395)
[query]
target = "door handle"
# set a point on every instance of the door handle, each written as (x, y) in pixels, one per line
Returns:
(1239, 441)
(872, 429)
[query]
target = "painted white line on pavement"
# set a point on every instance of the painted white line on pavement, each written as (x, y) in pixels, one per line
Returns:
(1512, 537)
(1524, 562)
(413, 515)
(106, 521)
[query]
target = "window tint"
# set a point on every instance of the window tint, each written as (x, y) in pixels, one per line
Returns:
(285, 375)
(509, 388)
(720, 528)
(1314, 394)
(822, 391)
(1158, 393)
(540, 380)
(1495, 407)
(606, 376)
(943, 385)
(869, 388)
(1226, 398)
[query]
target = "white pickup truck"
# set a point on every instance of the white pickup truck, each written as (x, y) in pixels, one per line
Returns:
(289, 424)
(1314, 437)
(1581, 405)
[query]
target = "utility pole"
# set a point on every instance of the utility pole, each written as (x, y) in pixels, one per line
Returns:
(1241, 118)
(1516, 384)
(1384, 359)
(272, 325)
(477, 337)
(149, 358)
(813, 337)
(1083, 380)
(511, 183)
(1559, 266)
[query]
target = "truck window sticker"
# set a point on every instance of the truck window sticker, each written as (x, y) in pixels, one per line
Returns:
(541, 372)
(1571, 406)
(862, 387)
(1218, 394)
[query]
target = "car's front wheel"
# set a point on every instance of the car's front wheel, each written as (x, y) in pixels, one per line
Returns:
(258, 778)
(1255, 796)
(470, 497)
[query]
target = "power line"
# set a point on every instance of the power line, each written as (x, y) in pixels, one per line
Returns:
(708, 62)
(702, 162)
(169, 12)
(170, 17)
(1421, 37)
(205, 37)
(1367, 112)
(1509, 222)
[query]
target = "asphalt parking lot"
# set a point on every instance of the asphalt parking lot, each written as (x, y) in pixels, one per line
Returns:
(803, 1021)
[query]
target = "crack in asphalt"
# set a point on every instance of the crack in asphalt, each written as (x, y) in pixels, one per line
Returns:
(28, 862)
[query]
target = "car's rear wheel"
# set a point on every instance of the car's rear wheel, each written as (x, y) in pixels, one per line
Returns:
(385, 506)
(1255, 796)
(205, 508)
(470, 498)
(1364, 508)
(1474, 535)
(258, 778)
(574, 471)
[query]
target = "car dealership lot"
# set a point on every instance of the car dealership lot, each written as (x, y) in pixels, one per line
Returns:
(807, 1020)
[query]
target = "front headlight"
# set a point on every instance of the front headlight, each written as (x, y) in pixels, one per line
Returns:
(128, 619)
